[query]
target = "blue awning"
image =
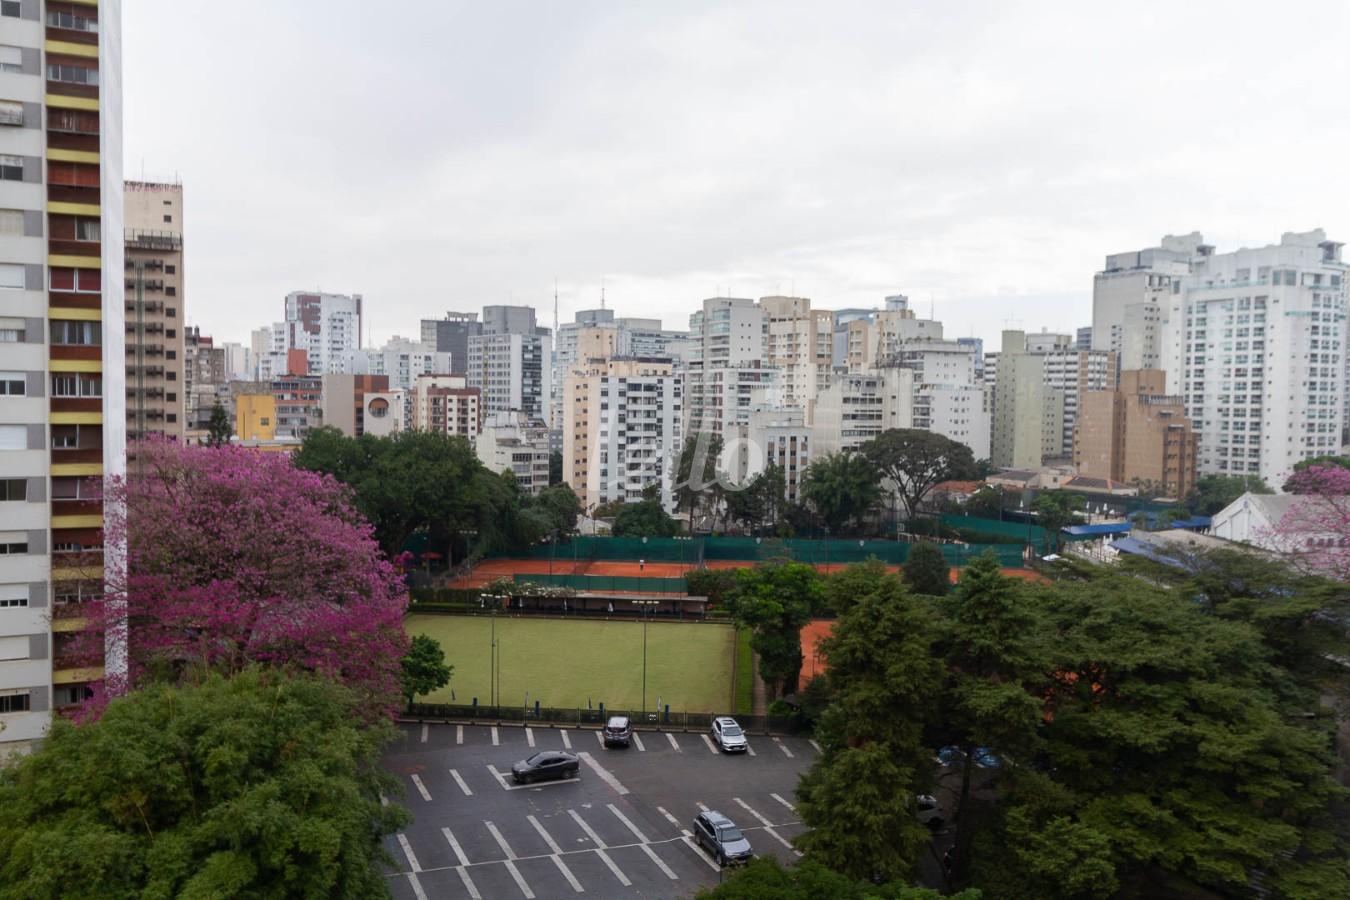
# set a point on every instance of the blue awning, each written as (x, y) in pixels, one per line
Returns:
(1097, 530)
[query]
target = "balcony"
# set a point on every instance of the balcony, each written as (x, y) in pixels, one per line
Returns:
(70, 193)
(62, 455)
(152, 240)
(76, 404)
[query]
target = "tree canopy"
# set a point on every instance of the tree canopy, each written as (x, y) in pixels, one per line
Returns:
(219, 428)
(423, 669)
(1213, 492)
(926, 570)
(842, 489)
(645, 518)
(774, 600)
(260, 785)
(695, 476)
(914, 460)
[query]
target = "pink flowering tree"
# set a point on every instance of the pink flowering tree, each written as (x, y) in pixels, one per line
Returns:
(1315, 533)
(236, 557)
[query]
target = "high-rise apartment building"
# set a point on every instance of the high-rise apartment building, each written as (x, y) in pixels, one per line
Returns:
(513, 372)
(725, 371)
(1073, 373)
(1028, 413)
(451, 335)
(858, 406)
(1131, 294)
(621, 424)
(63, 410)
(799, 343)
(205, 380)
(1256, 345)
(1136, 435)
(447, 405)
(361, 404)
(155, 309)
(514, 442)
(326, 326)
(780, 437)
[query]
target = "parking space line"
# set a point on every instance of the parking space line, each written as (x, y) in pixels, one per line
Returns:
(468, 884)
(605, 774)
(454, 845)
(701, 806)
(459, 734)
(520, 881)
(768, 826)
(421, 788)
(812, 742)
(460, 781)
(618, 873)
(495, 741)
(628, 823)
(600, 738)
(567, 873)
(590, 832)
(784, 802)
(501, 779)
(707, 740)
(660, 863)
(501, 841)
(529, 735)
(416, 886)
(673, 743)
(749, 749)
(783, 748)
(669, 818)
(689, 842)
(407, 851)
(567, 741)
(637, 739)
(425, 729)
(548, 838)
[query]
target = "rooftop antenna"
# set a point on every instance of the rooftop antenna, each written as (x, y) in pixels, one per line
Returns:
(602, 292)
(555, 304)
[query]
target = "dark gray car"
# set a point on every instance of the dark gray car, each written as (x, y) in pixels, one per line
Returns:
(720, 837)
(546, 765)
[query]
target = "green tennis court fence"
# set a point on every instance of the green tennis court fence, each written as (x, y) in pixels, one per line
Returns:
(747, 549)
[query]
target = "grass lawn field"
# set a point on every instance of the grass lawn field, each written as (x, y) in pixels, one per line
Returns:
(569, 662)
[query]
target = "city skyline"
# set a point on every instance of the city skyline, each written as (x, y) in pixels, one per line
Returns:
(511, 146)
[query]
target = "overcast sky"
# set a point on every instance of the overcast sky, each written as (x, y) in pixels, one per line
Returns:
(982, 158)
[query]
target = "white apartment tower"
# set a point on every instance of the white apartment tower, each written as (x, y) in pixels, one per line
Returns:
(511, 364)
(1130, 298)
(62, 347)
(1256, 345)
(326, 326)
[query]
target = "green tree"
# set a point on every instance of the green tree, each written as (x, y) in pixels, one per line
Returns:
(560, 506)
(423, 670)
(986, 503)
(255, 786)
(759, 502)
(859, 798)
(645, 518)
(926, 570)
(718, 585)
(765, 878)
(842, 488)
(219, 428)
(695, 474)
(914, 460)
(1055, 510)
(774, 600)
(1213, 492)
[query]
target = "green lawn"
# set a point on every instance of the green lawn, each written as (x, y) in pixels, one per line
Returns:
(745, 675)
(569, 663)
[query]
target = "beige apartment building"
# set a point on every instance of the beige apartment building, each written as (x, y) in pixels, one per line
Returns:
(156, 387)
(1137, 435)
(1028, 412)
(447, 405)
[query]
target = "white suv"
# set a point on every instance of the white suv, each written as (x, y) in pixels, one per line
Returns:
(728, 735)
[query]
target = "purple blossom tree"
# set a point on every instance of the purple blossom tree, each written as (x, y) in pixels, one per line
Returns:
(1315, 532)
(236, 557)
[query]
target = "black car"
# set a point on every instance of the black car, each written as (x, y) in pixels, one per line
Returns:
(618, 730)
(720, 836)
(546, 765)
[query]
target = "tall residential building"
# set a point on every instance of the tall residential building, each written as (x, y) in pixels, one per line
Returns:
(326, 326)
(155, 309)
(447, 405)
(513, 441)
(799, 343)
(451, 335)
(722, 372)
(512, 372)
(621, 425)
(1084, 341)
(781, 437)
(1131, 294)
(1136, 435)
(858, 406)
(205, 380)
(1073, 373)
(63, 410)
(1028, 413)
(1256, 344)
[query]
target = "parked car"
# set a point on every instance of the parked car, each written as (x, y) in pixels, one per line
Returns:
(618, 730)
(729, 735)
(720, 837)
(954, 757)
(546, 765)
(930, 813)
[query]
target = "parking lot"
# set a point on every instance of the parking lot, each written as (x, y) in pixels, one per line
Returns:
(622, 829)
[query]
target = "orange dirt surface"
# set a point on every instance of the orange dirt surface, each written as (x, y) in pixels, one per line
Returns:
(491, 569)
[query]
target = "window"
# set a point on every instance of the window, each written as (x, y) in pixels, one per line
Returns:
(71, 21)
(69, 487)
(13, 595)
(168, 218)
(13, 543)
(12, 277)
(86, 229)
(170, 269)
(11, 59)
(13, 384)
(11, 8)
(11, 113)
(11, 221)
(79, 281)
(14, 703)
(79, 333)
(12, 331)
(13, 490)
(71, 74)
(13, 437)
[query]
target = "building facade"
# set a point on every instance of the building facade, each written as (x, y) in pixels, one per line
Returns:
(63, 410)
(1028, 413)
(156, 309)
(513, 373)
(359, 404)
(1130, 298)
(446, 405)
(512, 441)
(1255, 344)
(451, 335)
(1137, 434)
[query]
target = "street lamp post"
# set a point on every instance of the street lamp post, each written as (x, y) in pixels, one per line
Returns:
(646, 614)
